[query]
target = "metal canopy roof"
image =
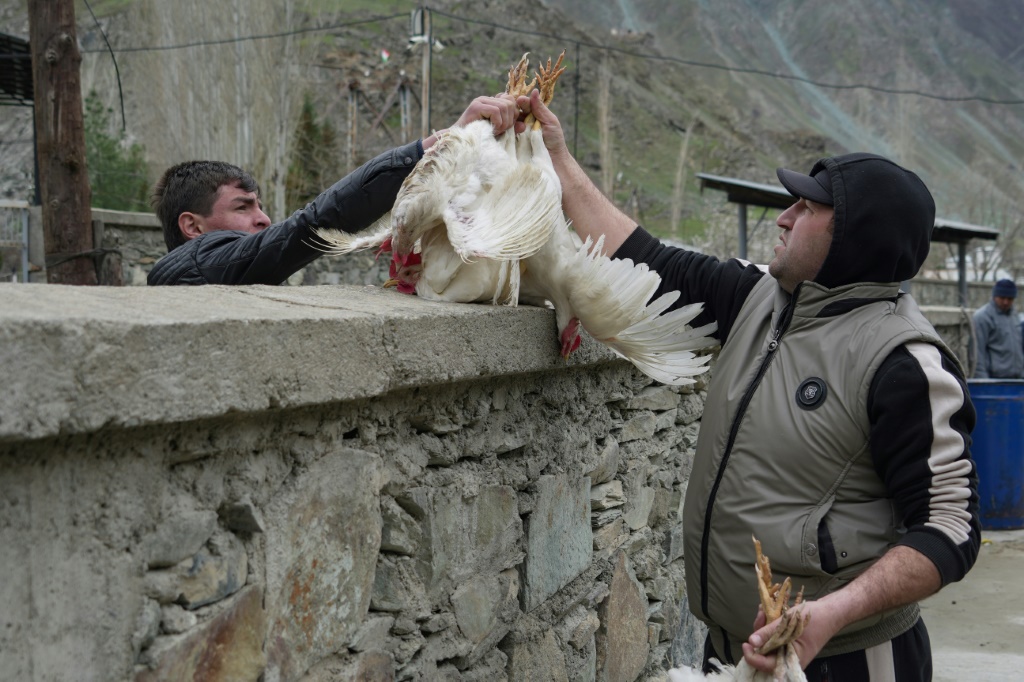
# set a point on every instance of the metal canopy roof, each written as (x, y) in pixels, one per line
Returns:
(746, 193)
(771, 196)
(15, 71)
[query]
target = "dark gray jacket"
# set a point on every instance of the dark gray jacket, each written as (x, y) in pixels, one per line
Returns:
(271, 256)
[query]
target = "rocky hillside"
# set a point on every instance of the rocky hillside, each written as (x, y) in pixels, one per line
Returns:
(642, 73)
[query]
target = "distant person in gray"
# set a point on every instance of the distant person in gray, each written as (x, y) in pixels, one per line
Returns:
(998, 335)
(217, 233)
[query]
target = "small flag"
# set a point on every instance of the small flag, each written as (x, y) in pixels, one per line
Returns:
(384, 54)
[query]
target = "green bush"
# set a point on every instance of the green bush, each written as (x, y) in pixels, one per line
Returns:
(315, 159)
(117, 170)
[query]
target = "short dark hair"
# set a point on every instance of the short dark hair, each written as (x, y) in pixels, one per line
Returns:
(192, 186)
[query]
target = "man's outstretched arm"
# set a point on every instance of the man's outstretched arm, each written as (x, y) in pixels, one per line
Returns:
(590, 211)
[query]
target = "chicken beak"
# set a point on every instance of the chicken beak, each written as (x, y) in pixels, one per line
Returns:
(391, 283)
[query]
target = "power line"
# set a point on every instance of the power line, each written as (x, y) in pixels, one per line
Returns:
(736, 69)
(552, 36)
(117, 71)
(261, 36)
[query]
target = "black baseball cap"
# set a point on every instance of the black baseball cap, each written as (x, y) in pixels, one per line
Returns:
(816, 188)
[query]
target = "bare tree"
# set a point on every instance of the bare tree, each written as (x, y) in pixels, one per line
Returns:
(220, 93)
(679, 187)
(604, 126)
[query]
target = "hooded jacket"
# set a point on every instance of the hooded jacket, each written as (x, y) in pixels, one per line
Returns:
(274, 254)
(836, 424)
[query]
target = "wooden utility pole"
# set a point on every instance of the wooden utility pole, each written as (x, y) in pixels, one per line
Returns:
(60, 143)
(353, 123)
(428, 39)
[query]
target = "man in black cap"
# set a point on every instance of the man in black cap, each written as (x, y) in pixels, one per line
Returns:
(997, 334)
(836, 426)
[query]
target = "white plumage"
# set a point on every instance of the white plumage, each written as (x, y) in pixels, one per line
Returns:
(480, 219)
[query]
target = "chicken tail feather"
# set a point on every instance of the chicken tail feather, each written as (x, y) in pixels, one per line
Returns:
(334, 242)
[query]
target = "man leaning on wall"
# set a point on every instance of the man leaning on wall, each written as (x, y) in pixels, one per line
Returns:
(217, 233)
(998, 335)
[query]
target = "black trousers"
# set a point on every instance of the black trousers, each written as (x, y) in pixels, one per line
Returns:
(906, 658)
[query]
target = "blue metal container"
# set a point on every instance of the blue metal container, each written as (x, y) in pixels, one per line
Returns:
(998, 451)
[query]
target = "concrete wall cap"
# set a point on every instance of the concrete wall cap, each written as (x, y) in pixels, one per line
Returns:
(81, 358)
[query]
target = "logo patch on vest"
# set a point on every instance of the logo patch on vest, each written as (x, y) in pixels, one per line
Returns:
(811, 393)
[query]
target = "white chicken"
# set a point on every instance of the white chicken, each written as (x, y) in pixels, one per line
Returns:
(480, 219)
(775, 602)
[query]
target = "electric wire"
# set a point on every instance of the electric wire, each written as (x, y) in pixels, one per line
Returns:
(117, 71)
(618, 50)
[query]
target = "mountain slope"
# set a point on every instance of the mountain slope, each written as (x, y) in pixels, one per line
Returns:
(647, 80)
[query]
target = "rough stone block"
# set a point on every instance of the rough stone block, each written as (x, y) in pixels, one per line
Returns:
(226, 648)
(688, 643)
(559, 540)
(586, 668)
(638, 508)
(147, 626)
(180, 534)
(581, 626)
(657, 398)
(689, 435)
(466, 533)
(536, 661)
(665, 502)
(603, 518)
(372, 633)
(641, 426)
(370, 666)
(397, 586)
(241, 517)
(174, 620)
(401, 533)
(607, 464)
(490, 668)
(690, 408)
(607, 495)
(436, 623)
(476, 604)
(214, 573)
(485, 608)
(674, 544)
(611, 536)
(622, 641)
(322, 540)
(665, 420)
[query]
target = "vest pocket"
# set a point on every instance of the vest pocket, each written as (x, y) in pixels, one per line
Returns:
(826, 549)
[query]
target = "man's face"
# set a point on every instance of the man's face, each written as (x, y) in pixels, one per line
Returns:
(1004, 303)
(806, 237)
(233, 209)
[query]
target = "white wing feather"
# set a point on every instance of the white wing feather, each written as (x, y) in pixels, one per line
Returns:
(336, 243)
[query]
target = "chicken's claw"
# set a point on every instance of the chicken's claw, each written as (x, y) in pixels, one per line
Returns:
(517, 84)
(547, 77)
(775, 603)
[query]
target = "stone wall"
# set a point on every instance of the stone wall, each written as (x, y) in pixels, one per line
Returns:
(331, 483)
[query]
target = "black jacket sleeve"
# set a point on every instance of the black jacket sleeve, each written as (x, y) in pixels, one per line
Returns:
(921, 418)
(722, 287)
(271, 256)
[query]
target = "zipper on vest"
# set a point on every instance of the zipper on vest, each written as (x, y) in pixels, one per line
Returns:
(784, 319)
